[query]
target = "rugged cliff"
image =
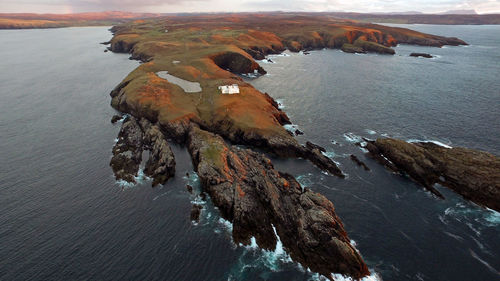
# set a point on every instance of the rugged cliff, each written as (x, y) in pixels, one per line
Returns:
(213, 50)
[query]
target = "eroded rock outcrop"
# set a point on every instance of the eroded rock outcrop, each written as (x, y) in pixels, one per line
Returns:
(127, 152)
(473, 174)
(262, 203)
(134, 138)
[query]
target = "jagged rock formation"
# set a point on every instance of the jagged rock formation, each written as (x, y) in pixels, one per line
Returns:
(473, 174)
(135, 137)
(259, 200)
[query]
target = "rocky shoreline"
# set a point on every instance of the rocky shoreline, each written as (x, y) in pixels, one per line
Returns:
(261, 202)
(473, 174)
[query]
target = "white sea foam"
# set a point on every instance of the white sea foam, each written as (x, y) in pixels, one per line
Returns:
(339, 277)
(266, 61)
(476, 231)
(329, 154)
(250, 75)
(429, 141)
(278, 255)
(305, 180)
(291, 127)
(457, 237)
(284, 54)
(139, 179)
(226, 224)
(352, 138)
(192, 179)
(281, 104)
(371, 132)
(493, 217)
(474, 255)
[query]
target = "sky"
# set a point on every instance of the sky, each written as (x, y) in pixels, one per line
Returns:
(171, 6)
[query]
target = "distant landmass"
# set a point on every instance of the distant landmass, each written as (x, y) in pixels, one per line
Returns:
(31, 20)
(468, 17)
(460, 12)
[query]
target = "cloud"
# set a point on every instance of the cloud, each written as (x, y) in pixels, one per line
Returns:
(429, 6)
(128, 5)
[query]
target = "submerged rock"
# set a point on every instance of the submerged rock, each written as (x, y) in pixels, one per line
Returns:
(115, 119)
(424, 55)
(195, 212)
(298, 132)
(473, 174)
(360, 163)
(133, 139)
(314, 153)
(261, 201)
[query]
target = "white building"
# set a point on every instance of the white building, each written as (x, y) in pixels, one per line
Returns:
(230, 89)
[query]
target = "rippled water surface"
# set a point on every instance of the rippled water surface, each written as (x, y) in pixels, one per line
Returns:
(63, 216)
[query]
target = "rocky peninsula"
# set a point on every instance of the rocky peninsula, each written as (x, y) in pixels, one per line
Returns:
(213, 50)
(473, 174)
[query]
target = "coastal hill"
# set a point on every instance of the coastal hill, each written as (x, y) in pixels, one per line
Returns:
(31, 20)
(212, 49)
(189, 89)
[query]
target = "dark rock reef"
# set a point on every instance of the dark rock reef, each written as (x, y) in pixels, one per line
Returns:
(473, 174)
(360, 163)
(268, 205)
(115, 119)
(350, 48)
(196, 212)
(424, 55)
(135, 137)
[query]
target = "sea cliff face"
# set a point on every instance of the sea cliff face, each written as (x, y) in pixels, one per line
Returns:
(212, 50)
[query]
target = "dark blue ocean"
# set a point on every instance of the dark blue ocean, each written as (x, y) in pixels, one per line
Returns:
(64, 217)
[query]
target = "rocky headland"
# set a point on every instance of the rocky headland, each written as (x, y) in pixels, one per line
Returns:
(212, 50)
(473, 174)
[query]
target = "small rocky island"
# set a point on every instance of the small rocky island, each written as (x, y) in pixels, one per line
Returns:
(213, 50)
(473, 174)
